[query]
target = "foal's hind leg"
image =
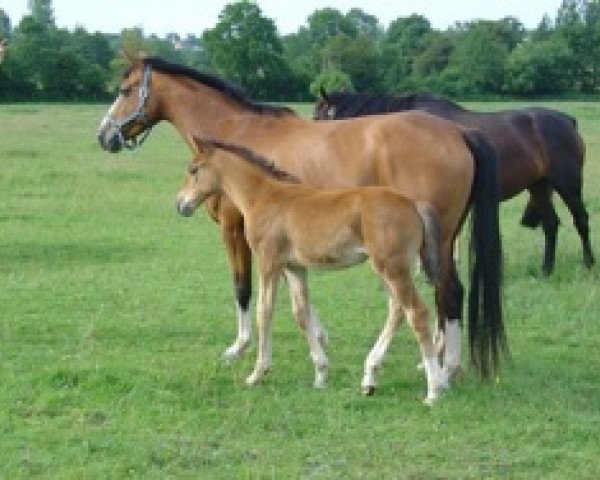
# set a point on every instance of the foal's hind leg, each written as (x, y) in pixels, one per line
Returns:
(307, 320)
(405, 299)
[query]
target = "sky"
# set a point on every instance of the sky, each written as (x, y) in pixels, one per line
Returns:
(194, 16)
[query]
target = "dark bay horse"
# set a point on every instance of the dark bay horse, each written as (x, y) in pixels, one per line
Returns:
(539, 150)
(291, 227)
(426, 158)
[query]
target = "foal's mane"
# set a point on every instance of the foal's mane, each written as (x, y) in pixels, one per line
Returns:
(255, 159)
(212, 81)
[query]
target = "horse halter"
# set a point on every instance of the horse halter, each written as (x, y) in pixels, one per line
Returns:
(138, 114)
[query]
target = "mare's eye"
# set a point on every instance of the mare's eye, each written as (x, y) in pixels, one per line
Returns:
(125, 91)
(193, 169)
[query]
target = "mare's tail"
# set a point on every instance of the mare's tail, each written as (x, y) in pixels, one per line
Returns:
(487, 338)
(432, 244)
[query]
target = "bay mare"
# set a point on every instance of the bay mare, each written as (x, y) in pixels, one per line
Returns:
(425, 158)
(539, 149)
(291, 227)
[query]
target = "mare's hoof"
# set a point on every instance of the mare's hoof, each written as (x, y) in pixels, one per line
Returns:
(589, 261)
(369, 390)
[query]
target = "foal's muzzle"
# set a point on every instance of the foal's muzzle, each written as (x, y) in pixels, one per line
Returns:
(185, 206)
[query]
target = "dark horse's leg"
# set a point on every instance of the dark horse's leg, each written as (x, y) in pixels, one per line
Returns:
(540, 210)
(574, 202)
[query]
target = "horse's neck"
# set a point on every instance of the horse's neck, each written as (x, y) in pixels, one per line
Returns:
(193, 107)
(243, 183)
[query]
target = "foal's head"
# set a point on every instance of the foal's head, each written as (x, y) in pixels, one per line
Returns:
(201, 181)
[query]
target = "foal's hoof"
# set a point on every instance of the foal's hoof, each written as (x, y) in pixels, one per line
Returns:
(429, 401)
(255, 377)
(368, 390)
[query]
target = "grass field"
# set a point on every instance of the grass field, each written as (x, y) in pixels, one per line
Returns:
(114, 312)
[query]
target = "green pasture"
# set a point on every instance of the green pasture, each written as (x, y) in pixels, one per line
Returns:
(114, 312)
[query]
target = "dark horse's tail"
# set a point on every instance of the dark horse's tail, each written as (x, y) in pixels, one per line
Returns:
(487, 339)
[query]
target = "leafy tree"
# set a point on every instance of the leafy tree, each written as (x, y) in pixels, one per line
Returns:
(244, 46)
(42, 11)
(328, 22)
(331, 80)
(404, 40)
(435, 56)
(479, 57)
(358, 57)
(542, 66)
(365, 24)
(578, 22)
(5, 26)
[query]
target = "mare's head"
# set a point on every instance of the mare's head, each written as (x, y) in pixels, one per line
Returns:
(201, 181)
(133, 113)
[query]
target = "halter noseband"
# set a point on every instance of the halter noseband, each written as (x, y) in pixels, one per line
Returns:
(138, 114)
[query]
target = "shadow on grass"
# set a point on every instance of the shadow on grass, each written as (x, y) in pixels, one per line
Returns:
(71, 253)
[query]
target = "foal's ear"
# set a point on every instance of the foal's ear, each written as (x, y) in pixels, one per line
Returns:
(198, 144)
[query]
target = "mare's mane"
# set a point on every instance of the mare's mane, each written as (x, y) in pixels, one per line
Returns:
(212, 81)
(255, 159)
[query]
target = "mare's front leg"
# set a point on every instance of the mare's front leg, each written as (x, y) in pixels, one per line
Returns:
(240, 259)
(267, 291)
(308, 321)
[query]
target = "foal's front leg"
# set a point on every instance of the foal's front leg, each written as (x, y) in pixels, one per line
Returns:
(267, 291)
(308, 321)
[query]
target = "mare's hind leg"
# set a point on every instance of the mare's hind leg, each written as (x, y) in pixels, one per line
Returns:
(449, 298)
(580, 215)
(308, 321)
(540, 210)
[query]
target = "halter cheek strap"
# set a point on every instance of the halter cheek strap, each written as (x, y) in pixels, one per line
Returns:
(138, 114)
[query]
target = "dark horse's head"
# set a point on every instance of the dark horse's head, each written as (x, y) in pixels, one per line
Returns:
(131, 116)
(325, 107)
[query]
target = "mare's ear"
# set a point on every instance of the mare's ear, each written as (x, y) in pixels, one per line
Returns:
(133, 59)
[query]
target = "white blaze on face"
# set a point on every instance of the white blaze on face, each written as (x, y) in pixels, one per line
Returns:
(106, 120)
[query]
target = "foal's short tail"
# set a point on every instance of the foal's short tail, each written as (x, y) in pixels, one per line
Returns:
(432, 244)
(487, 339)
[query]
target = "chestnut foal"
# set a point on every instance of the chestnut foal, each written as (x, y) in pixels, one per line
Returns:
(291, 227)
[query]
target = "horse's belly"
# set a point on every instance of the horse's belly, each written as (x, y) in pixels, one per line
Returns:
(330, 260)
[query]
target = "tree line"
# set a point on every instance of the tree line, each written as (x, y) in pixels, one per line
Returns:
(334, 50)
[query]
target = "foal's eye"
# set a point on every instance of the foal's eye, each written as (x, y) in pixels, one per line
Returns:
(125, 91)
(193, 170)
